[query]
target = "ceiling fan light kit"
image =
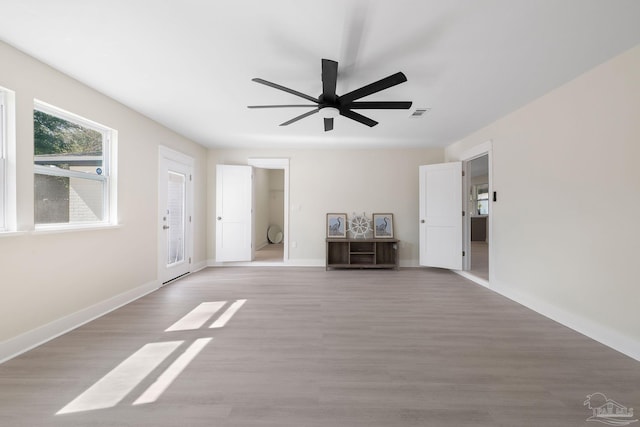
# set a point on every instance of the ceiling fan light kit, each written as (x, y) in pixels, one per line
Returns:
(330, 105)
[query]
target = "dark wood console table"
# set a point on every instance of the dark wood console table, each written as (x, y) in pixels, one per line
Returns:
(362, 253)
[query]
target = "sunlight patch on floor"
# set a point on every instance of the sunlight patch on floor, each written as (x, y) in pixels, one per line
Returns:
(111, 389)
(114, 386)
(197, 317)
(228, 314)
(156, 389)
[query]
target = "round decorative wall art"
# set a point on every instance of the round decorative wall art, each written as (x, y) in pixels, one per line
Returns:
(360, 226)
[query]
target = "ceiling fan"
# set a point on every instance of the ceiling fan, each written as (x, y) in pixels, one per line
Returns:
(344, 105)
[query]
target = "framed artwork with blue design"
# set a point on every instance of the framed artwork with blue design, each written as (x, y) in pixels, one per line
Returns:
(383, 226)
(336, 225)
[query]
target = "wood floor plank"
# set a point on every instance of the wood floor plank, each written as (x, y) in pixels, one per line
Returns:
(413, 347)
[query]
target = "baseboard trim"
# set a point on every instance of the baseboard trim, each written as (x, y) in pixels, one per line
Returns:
(287, 263)
(310, 262)
(604, 335)
(24, 342)
(473, 278)
(199, 266)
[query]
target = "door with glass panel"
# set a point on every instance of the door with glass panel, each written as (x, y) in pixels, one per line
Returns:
(175, 219)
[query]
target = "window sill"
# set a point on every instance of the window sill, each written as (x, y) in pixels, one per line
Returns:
(50, 229)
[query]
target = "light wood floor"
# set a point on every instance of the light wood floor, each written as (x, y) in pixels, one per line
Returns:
(270, 253)
(480, 260)
(415, 347)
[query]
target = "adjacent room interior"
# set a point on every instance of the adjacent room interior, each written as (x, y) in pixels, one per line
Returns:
(418, 213)
(478, 208)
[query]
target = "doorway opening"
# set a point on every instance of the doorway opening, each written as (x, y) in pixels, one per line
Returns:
(478, 209)
(271, 213)
(478, 196)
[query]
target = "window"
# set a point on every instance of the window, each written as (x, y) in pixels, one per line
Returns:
(73, 182)
(7, 161)
(3, 161)
(483, 199)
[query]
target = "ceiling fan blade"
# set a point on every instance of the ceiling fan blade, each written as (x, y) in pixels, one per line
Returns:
(358, 117)
(328, 124)
(282, 106)
(374, 87)
(379, 105)
(329, 80)
(285, 89)
(301, 116)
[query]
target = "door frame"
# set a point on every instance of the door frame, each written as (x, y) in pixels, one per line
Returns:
(278, 163)
(480, 150)
(168, 154)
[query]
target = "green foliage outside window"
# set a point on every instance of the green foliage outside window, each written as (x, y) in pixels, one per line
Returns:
(53, 135)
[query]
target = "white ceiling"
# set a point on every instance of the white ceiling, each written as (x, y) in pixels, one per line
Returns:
(188, 64)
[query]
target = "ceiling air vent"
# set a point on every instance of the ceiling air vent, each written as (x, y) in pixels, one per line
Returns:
(419, 112)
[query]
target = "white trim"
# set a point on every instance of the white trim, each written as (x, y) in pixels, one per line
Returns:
(197, 266)
(606, 336)
(55, 171)
(308, 262)
(67, 228)
(3, 160)
(8, 192)
(3, 185)
(473, 278)
(477, 151)
(24, 342)
(278, 163)
(176, 156)
(289, 263)
(3, 122)
(112, 183)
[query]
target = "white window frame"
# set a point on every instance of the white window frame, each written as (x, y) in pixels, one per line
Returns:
(8, 221)
(108, 176)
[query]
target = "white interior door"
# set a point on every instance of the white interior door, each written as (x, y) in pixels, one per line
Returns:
(441, 215)
(234, 218)
(175, 220)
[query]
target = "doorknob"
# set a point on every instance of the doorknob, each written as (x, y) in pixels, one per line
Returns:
(165, 227)
(219, 218)
(422, 221)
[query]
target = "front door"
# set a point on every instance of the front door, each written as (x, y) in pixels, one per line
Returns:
(174, 200)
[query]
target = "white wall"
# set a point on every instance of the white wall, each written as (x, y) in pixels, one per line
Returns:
(323, 181)
(566, 223)
(45, 277)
